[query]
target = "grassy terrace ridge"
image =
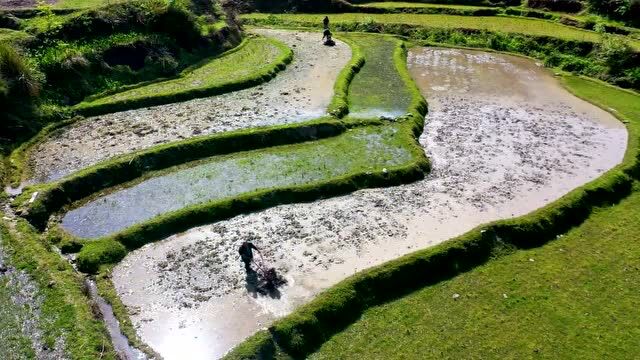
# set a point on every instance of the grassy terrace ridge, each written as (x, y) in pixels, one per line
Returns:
(516, 25)
(225, 177)
(575, 297)
(399, 4)
(65, 311)
(379, 171)
(305, 330)
(261, 59)
(378, 88)
(53, 196)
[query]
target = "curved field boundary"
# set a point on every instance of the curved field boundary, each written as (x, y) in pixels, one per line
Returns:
(53, 196)
(339, 106)
(370, 22)
(111, 249)
(303, 331)
(107, 249)
(259, 76)
(471, 10)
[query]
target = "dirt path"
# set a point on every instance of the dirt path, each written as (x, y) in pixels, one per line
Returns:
(504, 139)
(301, 92)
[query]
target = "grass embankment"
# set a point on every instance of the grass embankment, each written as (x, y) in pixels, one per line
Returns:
(309, 327)
(261, 59)
(524, 26)
(302, 172)
(378, 88)
(576, 297)
(409, 127)
(369, 149)
(53, 196)
(65, 309)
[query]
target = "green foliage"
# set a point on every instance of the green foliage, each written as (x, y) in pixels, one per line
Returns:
(580, 281)
(98, 252)
(20, 83)
(627, 10)
(357, 22)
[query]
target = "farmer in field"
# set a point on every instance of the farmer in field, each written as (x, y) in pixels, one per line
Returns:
(246, 254)
(327, 35)
(325, 22)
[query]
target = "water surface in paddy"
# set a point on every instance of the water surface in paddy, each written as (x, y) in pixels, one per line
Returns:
(366, 149)
(504, 139)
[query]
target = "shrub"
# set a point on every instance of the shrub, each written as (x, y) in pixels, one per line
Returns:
(626, 10)
(616, 54)
(570, 6)
(95, 253)
(20, 83)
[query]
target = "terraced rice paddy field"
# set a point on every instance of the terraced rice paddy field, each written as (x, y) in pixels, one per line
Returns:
(420, 202)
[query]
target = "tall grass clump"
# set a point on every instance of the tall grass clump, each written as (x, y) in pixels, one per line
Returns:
(20, 84)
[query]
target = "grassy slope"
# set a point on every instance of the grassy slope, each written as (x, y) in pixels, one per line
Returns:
(255, 55)
(578, 298)
(378, 85)
(14, 344)
(493, 23)
(65, 310)
(397, 4)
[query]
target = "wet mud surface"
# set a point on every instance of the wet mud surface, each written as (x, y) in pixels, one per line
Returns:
(369, 149)
(504, 139)
(301, 92)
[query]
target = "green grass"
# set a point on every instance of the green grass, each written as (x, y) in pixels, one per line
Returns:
(256, 55)
(83, 4)
(65, 310)
(14, 344)
(398, 4)
(377, 89)
(524, 26)
(577, 299)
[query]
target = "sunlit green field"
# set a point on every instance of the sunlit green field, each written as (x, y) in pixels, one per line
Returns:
(492, 23)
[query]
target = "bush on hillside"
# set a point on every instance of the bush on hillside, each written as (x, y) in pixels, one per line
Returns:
(569, 6)
(20, 84)
(625, 10)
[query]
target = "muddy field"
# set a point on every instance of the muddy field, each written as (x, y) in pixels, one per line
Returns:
(301, 92)
(504, 139)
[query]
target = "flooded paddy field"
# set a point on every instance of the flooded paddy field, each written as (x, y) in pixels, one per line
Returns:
(377, 89)
(300, 92)
(359, 150)
(504, 139)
